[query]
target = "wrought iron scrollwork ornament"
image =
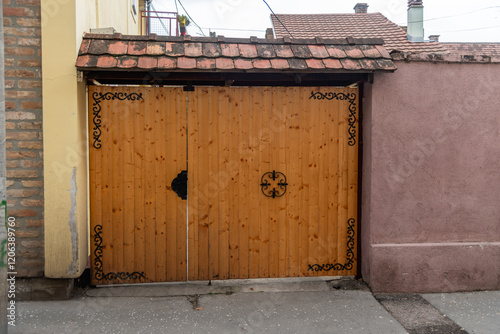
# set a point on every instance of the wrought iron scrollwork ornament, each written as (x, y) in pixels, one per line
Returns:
(99, 273)
(270, 187)
(350, 253)
(351, 97)
(96, 110)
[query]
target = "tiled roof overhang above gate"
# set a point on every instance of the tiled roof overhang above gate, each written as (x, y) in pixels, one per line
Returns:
(218, 54)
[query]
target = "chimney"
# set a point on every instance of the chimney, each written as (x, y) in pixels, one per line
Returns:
(434, 38)
(269, 33)
(361, 8)
(415, 21)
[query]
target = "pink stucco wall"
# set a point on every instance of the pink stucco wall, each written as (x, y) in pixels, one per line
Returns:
(431, 178)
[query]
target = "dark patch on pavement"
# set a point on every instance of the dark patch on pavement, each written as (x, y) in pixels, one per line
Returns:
(417, 315)
(348, 284)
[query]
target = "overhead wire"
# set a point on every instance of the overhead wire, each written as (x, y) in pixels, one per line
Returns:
(277, 18)
(462, 14)
(235, 29)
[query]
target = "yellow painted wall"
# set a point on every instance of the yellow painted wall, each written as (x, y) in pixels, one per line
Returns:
(65, 126)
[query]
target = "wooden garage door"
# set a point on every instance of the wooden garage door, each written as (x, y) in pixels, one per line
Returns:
(272, 183)
(237, 135)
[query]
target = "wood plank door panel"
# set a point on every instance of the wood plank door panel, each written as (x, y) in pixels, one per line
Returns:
(137, 147)
(236, 135)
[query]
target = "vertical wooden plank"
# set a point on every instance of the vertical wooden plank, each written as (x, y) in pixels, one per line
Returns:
(211, 187)
(150, 184)
(333, 177)
(117, 193)
(204, 110)
(272, 110)
(127, 120)
(282, 112)
(139, 184)
(342, 185)
(193, 183)
(235, 200)
(171, 150)
(314, 185)
(294, 179)
(180, 206)
(255, 196)
(264, 101)
(245, 182)
(305, 185)
(223, 114)
(322, 151)
(161, 133)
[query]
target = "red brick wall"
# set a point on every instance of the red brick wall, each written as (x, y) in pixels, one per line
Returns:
(23, 106)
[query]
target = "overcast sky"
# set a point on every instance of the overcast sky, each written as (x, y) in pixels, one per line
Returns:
(454, 20)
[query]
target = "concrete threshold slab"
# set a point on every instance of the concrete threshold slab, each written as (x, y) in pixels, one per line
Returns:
(417, 315)
(310, 284)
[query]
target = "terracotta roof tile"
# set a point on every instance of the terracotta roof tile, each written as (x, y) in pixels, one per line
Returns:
(315, 63)
(98, 47)
(332, 63)
(167, 63)
(84, 47)
(478, 49)
(360, 25)
(336, 51)
(127, 62)
(174, 49)
(383, 51)
(243, 64)
(141, 53)
(301, 51)
(261, 63)
(230, 50)
(353, 52)
(106, 62)
(186, 63)
(193, 49)
(85, 61)
(283, 51)
(136, 48)
(155, 48)
(205, 63)
(247, 50)
(297, 64)
(266, 51)
(370, 51)
(318, 51)
(147, 62)
(279, 64)
(224, 63)
(118, 48)
(350, 64)
(385, 64)
(211, 50)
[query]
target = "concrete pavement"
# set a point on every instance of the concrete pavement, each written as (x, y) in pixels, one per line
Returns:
(258, 306)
